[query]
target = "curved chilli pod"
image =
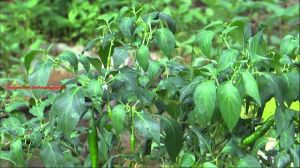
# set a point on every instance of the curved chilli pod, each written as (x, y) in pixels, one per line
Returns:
(250, 139)
(92, 141)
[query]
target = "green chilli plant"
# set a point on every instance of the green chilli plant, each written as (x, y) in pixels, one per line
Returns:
(140, 104)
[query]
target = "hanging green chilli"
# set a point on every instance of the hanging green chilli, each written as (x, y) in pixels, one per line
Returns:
(250, 139)
(93, 141)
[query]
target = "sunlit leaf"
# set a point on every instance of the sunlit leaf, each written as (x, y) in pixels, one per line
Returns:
(230, 104)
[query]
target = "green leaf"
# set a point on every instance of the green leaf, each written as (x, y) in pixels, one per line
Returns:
(282, 120)
(36, 137)
(251, 87)
(288, 45)
(165, 41)
(104, 145)
(40, 77)
(227, 59)
(118, 117)
(127, 26)
(259, 143)
(248, 161)
(187, 160)
(6, 155)
(38, 109)
(30, 56)
(205, 100)
(143, 56)
(173, 108)
(295, 153)
(94, 89)
(230, 148)
(230, 103)
(287, 137)
(96, 63)
(209, 165)
(241, 34)
(282, 160)
(189, 89)
(71, 58)
(257, 45)
(174, 137)
(274, 82)
(147, 127)
(90, 44)
(16, 104)
(105, 50)
(17, 154)
(85, 62)
(67, 107)
(291, 83)
(205, 38)
(51, 154)
(13, 126)
(169, 20)
(119, 56)
(154, 70)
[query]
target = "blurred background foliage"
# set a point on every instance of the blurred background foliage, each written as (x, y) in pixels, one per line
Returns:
(31, 24)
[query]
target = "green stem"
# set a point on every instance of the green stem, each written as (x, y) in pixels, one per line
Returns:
(132, 137)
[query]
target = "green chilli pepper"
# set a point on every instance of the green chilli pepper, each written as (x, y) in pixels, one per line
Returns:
(250, 139)
(93, 142)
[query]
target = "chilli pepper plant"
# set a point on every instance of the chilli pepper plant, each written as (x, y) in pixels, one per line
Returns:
(140, 104)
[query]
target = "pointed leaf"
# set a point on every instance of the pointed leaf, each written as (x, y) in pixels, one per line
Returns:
(17, 153)
(227, 59)
(251, 87)
(291, 83)
(147, 127)
(230, 104)
(205, 100)
(119, 56)
(287, 138)
(205, 38)
(90, 44)
(71, 58)
(52, 155)
(288, 45)
(29, 57)
(96, 63)
(174, 137)
(68, 107)
(85, 62)
(169, 20)
(275, 84)
(165, 41)
(127, 26)
(40, 77)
